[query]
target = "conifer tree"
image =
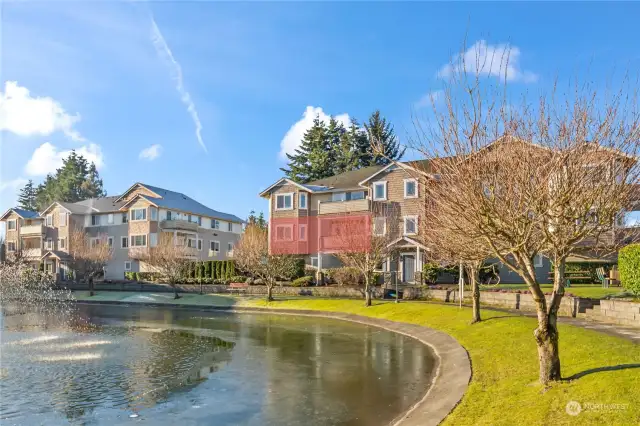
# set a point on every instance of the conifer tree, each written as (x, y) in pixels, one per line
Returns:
(312, 160)
(27, 197)
(381, 132)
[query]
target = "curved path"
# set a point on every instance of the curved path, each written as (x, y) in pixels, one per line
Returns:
(453, 366)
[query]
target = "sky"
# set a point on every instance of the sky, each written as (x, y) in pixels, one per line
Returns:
(205, 97)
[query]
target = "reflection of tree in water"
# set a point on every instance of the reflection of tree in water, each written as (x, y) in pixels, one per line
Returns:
(345, 376)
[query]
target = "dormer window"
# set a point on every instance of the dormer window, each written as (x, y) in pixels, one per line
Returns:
(284, 201)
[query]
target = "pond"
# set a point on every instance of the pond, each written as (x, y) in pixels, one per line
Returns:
(161, 366)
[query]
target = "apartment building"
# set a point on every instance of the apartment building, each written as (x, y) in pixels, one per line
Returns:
(132, 220)
(303, 217)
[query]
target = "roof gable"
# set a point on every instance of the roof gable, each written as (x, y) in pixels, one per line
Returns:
(25, 214)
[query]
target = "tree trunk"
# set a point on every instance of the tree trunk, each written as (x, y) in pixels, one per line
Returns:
(269, 293)
(91, 292)
(175, 291)
(367, 292)
(474, 277)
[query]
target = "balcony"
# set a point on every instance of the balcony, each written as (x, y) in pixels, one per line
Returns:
(32, 252)
(32, 230)
(182, 225)
(333, 207)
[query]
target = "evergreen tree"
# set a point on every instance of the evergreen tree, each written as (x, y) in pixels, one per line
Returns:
(27, 197)
(351, 149)
(381, 132)
(76, 180)
(312, 160)
(258, 220)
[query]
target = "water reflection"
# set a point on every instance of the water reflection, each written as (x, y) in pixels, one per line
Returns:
(208, 369)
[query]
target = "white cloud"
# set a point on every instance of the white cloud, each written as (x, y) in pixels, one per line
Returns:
(294, 135)
(430, 99)
(47, 158)
(151, 153)
(12, 185)
(163, 50)
(24, 115)
(501, 60)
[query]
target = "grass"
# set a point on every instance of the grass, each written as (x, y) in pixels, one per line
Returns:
(504, 388)
(594, 291)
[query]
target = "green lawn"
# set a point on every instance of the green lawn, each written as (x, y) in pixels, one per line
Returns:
(594, 291)
(504, 388)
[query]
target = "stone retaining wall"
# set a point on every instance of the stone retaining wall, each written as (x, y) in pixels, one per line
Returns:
(616, 312)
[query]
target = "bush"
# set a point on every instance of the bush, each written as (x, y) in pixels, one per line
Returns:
(219, 270)
(629, 267)
(231, 268)
(347, 276)
(129, 276)
(302, 281)
(237, 279)
(207, 269)
(299, 270)
(136, 275)
(430, 272)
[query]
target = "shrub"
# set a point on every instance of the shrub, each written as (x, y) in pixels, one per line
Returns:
(136, 275)
(299, 270)
(629, 266)
(219, 269)
(207, 269)
(129, 276)
(302, 281)
(231, 268)
(430, 272)
(198, 270)
(237, 279)
(347, 276)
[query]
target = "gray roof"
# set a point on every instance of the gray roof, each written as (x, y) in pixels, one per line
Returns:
(179, 201)
(347, 179)
(104, 204)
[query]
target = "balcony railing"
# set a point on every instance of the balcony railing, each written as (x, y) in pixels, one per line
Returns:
(32, 252)
(329, 207)
(179, 224)
(31, 230)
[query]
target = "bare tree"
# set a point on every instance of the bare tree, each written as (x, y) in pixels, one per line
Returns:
(251, 254)
(365, 241)
(89, 256)
(546, 178)
(170, 257)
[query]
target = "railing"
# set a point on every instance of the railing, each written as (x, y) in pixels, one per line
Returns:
(31, 229)
(179, 224)
(329, 207)
(32, 252)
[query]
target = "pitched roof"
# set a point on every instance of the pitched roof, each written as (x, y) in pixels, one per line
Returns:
(25, 214)
(104, 204)
(347, 179)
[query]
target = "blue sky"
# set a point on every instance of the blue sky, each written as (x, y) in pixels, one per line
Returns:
(131, 83)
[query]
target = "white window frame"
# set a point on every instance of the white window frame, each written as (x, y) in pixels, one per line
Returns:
(215, 224)
(97, 220)
(62, 219)
(287, 226)
(288, 194)
(154, 213)
(49, 244)
(94, 241)
(538, 261)
(124, 242)
(229, 249)
(110, 242)
(415, 182)
(302, 236)
(230, 227)
(11, 243)
(132, 217)
(364, 195)
(384, 225)
(212, 244)
(199, 244)
(338, 197)
(314, 258)
(61, 243)
(125, 217)
(127, 265)
(404, 222)
(49, 220)
(132, 239)
(384, 185)
(110, 219)
(303, 196)
(15, 225)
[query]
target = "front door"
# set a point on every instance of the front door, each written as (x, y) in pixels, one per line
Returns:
(408, 268)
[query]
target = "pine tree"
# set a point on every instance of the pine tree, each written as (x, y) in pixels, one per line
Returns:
(382, 134)
(27, 197)
(349, 151)
(258, 220)
(312, 160)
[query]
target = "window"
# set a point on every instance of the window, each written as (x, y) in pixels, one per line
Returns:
(230, 226)
(379, 226)
(284, 201)
(169, 215)
(49, 244)
(61, 243)
(284, 232)
(94, 242)
(410, 188)
(190, 218)
(110, 218)
(229, 249)
(153, 239)
(95, 220)
(138, 241)
(49, 220)
(314, 261)
(358, 195)
(214, 246)
(199, 221)
(339, 196)
(125, 217)
(124, 242)
(62, 219)
(138, 214)
(380, 191)
(11, 225)
(154, 213)
(538, 261)
(303, 233)
(127, 265)
(410, 225)
(11, 246)
(110, 242)
(191, 243)
(302, 200)
(199, 244)
(215, 224)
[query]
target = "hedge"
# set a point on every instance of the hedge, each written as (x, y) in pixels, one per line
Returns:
(629, 267)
